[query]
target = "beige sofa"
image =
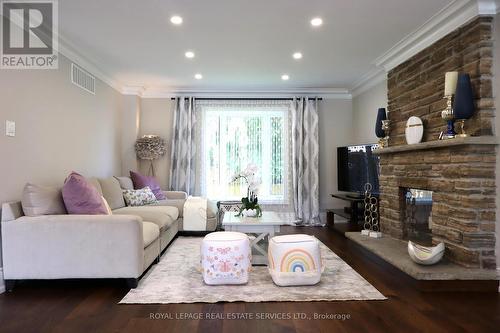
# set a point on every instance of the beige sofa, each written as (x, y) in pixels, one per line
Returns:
(122, 245)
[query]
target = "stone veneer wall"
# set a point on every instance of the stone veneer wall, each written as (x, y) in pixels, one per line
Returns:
(462, 177)
(416, 87)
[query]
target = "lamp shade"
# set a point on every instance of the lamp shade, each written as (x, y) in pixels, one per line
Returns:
(463, 107)
(150, 147)
(381, 115)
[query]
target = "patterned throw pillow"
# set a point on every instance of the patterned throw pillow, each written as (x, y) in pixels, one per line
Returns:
(141, 197)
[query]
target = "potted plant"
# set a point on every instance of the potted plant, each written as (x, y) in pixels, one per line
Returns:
(250, 204)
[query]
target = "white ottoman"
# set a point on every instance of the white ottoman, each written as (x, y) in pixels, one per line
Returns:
(294, 260)
(226, 258)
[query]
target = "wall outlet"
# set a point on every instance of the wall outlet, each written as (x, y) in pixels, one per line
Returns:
(10, 128)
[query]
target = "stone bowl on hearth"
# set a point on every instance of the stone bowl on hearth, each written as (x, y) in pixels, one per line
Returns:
(425, 255)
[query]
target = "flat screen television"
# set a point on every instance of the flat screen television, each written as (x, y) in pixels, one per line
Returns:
(356, 166)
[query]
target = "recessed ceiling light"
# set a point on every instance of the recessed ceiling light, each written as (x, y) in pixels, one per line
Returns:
(189, 54)
(198, 76)
(297, 55)
(316, 22)
(177, 20)
(285, 77)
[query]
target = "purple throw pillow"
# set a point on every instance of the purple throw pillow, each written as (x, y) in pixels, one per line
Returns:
(141, 181)
(81, 197)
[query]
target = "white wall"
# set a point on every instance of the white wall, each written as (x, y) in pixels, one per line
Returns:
(496, 87)
(59, 128)
(335, 129)
(364, 112)
(131, 117)
(157, 117)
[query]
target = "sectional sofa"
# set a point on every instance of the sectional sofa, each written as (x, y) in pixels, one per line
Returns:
(121, 245)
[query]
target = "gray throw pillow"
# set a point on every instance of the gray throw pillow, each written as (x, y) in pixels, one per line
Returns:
(112, 191)
(125, 183)
(42, 200)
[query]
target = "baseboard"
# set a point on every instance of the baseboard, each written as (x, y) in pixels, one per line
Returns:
(2, 283)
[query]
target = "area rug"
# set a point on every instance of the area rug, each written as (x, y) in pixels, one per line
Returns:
(176, 279)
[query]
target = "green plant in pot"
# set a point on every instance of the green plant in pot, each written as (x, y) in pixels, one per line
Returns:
(250, 204)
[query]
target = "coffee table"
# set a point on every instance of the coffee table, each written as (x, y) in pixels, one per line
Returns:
(262, 227)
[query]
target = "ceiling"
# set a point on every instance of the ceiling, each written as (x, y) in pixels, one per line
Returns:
(239, 44)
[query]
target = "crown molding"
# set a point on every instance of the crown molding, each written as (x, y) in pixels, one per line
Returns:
(133, 90)
(95, 68)
(327, 93)
(448, 19)
(368, 81)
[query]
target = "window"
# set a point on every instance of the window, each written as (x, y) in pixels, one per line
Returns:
(236, 133)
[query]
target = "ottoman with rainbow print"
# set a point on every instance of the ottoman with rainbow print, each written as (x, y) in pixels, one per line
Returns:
(294, 260)
(226, 258)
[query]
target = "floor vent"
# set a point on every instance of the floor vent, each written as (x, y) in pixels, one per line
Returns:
(82, 78)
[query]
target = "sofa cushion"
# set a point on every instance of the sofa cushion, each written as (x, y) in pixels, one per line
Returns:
(178, 203)
(150, 233)
(42, 200)
(141, 181)
(95, 182)
(112, 192)
(141, 197)
(81, 197)
(162, 216)
(125, 183)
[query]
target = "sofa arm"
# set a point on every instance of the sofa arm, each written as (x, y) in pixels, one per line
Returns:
(175, 195)
(73, 246)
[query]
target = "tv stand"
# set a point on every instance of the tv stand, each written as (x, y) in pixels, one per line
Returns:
(352, 195)
(353, 213)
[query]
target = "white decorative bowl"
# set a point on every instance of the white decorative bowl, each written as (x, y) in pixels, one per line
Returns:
(414, 130)
(425, 255)
(250, 212)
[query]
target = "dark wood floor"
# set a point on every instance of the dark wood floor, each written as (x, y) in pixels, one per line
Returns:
(91, 306)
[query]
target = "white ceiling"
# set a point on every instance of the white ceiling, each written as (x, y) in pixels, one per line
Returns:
(239, 44)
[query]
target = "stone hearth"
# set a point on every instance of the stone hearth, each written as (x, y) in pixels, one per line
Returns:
(395, 252)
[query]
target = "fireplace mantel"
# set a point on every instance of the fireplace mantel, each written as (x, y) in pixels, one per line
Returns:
(473, 140)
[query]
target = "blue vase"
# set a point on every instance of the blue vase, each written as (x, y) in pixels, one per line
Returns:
(463, 106)
(381, 115)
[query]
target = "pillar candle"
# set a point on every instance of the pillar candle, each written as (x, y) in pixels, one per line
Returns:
(450, 83)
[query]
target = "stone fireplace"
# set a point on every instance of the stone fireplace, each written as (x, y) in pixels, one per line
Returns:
(459, 172)
(462, 181)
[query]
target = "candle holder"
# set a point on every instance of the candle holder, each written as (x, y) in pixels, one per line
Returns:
(384, 142)
(448, 116)
(463, 134)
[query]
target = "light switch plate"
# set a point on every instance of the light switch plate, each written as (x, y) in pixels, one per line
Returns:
(10, 128)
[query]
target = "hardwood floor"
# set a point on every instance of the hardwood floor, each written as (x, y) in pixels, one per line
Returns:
(91, 306)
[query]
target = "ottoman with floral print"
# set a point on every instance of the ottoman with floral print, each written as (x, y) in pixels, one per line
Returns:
(226, 258)
(295, 260)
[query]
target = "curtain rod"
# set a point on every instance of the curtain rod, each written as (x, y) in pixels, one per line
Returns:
(246, 99)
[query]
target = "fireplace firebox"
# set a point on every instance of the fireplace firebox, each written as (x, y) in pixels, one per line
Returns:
(417, 215)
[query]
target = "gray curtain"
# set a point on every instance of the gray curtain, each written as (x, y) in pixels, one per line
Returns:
(183, 166)
(305, 160)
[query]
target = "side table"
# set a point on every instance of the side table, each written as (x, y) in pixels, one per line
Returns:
(224, 206)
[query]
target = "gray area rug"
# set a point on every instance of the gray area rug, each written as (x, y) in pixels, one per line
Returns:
(176, 279)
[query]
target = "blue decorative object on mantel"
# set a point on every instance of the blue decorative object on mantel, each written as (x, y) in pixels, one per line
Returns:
(463, 106)
(381, 115)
